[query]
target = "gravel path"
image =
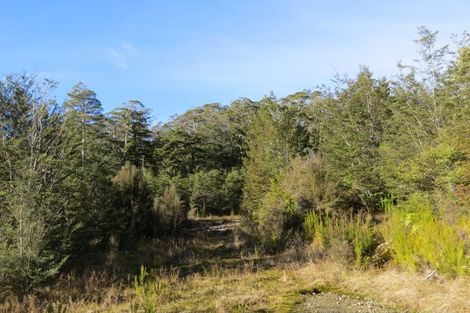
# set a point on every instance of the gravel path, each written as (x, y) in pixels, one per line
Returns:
(334, 303)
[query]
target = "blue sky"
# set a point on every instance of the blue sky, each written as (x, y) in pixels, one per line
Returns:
(177, 54)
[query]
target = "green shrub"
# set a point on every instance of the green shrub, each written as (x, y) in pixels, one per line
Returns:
(420, 236)
(278, 218)
(310, 184)
(362, 235)
(144, 295)
(133, 205)
(233, 189)
(317, 228)
(169, 208)
(357, 231)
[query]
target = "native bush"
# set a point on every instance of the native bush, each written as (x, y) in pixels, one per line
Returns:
(169, 209)
(420, 236)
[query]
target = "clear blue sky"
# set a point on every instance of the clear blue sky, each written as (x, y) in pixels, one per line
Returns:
(177, 54)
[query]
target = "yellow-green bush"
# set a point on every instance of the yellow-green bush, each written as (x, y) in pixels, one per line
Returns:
(420, 236)
(358, 231)
(277, 217)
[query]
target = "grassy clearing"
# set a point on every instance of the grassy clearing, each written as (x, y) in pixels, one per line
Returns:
(213, 272)
(233, 291)
(207, 270)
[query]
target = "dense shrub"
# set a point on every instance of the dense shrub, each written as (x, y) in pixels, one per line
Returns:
(207, 193)
(212, 192)
(169, 209)
(421, 236)
(356, 233)
(310, 185)
(277, 218)
(133, 205)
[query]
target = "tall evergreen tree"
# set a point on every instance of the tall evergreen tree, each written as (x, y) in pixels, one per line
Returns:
(352, 133)
(91, 159)
(34, 231)
(268, 153)
(131, 133)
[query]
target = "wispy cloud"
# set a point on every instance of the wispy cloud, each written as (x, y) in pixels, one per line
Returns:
(122, 55)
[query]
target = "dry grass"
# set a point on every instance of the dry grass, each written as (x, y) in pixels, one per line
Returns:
(249, 288)
(217, 290)
(424, 293)
(433, 295)
(212, 273)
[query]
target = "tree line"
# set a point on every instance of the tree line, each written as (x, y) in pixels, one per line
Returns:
(74, 179)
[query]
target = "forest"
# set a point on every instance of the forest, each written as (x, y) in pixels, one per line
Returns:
(371, 172)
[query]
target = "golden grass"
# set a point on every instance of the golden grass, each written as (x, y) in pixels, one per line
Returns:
(413, 291)
(425, 293)
(209, 273)
(280, 289)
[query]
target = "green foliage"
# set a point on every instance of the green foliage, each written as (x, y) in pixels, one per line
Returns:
(169, 209)
(316, 228)
(267, 155)
(433, 167)
(90, 166)
(363, 238)
(310, 184)
(72, 177)
(133, 205)
(35, 234)
(145, 300)
(215, 192)
(200, 140)
(420, 236)
(131, 135)
(207, 194)
(357, 231)
(233, 190)
(277, 217)
(354, 124)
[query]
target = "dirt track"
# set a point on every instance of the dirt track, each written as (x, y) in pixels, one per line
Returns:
(314, 302)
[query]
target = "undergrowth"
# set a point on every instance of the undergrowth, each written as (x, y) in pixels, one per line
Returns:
(355, 232)
(421, 236)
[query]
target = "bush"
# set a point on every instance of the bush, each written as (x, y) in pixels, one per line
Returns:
(133, 205)
(278, 218)
(420, 236)
(299, 199)
(233, 190)
(326, 232)
(309, 183)
(169, 208)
